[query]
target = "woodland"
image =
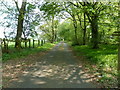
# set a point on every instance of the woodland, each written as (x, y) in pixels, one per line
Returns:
(90, 28)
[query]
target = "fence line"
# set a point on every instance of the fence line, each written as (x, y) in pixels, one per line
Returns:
(25, 43)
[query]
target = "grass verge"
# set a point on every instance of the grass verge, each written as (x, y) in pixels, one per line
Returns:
(102, 62)
(14, 54)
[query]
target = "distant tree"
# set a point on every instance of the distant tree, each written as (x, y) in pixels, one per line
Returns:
(71, 10)
(50, 10)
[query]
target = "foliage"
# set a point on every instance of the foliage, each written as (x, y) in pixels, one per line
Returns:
(101, 55)
(89, 24)
(105, 60)
(10, 15)
(50, 9)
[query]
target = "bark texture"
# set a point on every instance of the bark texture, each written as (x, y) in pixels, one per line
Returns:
(20, 24)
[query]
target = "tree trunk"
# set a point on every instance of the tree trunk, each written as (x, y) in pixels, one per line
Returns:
(38, 42)
(20, 25)
(53, 32)
(79, 18)
(93, 19)
(84, 30)
(94, 27)
(55, 35)
(103, 36)
(29, 43)
(41, 42)
(33, 43)
(5, 45)
(75, 30)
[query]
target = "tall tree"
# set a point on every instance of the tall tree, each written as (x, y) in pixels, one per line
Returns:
(83, 27)
(51, 9)
(92, 10)
(70, 9)
(20, 23)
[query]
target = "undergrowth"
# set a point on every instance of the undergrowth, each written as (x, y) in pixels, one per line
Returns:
(105, 60)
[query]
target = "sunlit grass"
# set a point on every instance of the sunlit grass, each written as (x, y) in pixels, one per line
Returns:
(13, 53)
(104, 54)
(105, 58)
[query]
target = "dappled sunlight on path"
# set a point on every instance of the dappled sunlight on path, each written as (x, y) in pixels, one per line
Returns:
(57, 69)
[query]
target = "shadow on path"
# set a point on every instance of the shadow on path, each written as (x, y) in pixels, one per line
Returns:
(57, 69)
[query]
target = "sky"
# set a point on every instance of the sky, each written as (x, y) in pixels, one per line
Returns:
(4, 15)
(19, 4)
(1, 32)
(1, 29)
(10, 2)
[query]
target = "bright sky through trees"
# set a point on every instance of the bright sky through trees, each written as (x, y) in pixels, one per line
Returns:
(20, 2)
(2, 28)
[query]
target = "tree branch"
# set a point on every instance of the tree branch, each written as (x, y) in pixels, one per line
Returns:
(74, 4)
(16, 3)
(80, 20)
(5, 5)
(88, 16)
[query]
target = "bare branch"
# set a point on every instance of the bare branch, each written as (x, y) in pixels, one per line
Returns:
(5, 5)
(16, 3)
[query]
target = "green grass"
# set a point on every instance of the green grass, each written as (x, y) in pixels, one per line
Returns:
(13, 53)
(105, 55)
(105, 58)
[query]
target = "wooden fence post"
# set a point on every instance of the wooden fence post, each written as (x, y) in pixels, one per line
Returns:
(5, 45)
(41, 42)
(25, 43)
(33, 43)
(38, 42)
(29, 43)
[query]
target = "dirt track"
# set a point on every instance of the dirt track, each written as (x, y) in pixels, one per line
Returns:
(57, 69)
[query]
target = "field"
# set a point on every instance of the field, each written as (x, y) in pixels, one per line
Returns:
(14, 53)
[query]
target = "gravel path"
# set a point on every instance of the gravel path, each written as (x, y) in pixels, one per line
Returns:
(57, 69)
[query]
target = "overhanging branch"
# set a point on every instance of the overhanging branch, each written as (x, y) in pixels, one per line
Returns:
(16, 3)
